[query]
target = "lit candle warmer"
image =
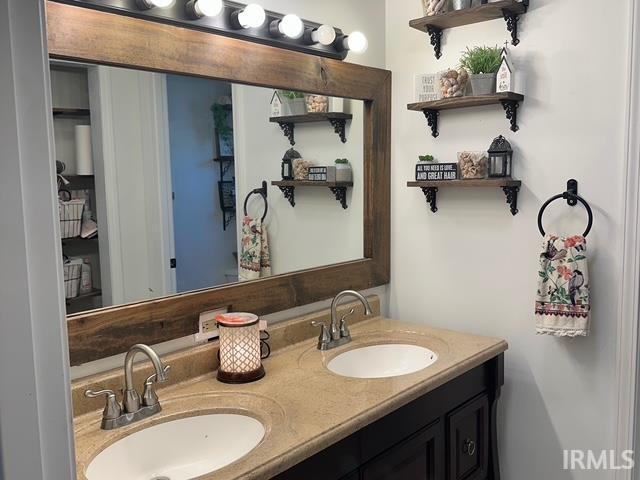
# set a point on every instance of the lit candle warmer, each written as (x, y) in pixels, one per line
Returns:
(240, 352)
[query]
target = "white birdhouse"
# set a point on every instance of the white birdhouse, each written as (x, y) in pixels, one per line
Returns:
(506, 74)
(276, 104)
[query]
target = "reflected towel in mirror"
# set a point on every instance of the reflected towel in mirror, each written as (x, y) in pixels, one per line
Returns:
(255, 260)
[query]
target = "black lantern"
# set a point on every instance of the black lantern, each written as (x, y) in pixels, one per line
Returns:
(287, 164)
(500, 157)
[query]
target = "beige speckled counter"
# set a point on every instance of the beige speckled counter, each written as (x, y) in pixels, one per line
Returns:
(304, 407)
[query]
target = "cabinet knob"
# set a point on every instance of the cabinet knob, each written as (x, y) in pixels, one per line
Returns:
(469, 447)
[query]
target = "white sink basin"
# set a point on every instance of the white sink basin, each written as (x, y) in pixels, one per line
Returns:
(178, 450)
(382, 361)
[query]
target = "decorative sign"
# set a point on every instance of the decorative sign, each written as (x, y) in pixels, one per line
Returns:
(427, 87)
(322, 174)
(430, 171)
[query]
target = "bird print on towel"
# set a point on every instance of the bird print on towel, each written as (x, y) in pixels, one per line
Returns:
(552, 253)
(576, 282)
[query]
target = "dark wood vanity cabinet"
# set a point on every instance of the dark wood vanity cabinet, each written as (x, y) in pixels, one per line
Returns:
(447, 434)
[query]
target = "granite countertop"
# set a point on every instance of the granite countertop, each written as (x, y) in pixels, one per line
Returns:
(304, 407)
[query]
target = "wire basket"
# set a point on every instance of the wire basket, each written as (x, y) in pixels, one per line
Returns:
(70, 218)
(72, 274)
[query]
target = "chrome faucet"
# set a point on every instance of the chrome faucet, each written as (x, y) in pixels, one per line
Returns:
(338, 334)
(134, 408)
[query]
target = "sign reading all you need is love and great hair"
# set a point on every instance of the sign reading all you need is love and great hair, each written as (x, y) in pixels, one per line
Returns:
(431, 172)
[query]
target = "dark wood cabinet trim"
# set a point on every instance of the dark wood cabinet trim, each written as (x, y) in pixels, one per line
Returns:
(91, 36)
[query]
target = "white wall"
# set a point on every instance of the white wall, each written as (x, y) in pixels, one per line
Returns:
(204, 251)
(318, 231)
(472, 266)
(36, 439)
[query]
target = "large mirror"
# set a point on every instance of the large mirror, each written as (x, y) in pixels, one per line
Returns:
(145, 112)
(156, 170)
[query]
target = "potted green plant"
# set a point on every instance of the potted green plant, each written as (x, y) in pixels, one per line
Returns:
(483, 64)
(292, 103)
(343, 170)
(426, 158)
(224, 130)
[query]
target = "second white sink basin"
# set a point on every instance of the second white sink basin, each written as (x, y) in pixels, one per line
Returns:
(382, 361)
(178, 450)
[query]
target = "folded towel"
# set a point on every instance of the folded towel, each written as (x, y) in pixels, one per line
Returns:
(562, 301)
(255, 260)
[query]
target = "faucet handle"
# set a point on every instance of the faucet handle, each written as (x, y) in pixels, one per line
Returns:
(112, 408)
(344, 329)
(149, 396)
(325, 336)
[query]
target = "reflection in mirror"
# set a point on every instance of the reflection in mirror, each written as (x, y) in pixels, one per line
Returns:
(156, 171)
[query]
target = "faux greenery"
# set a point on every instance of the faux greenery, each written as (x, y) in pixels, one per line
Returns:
(221, 122)
(426, 158)
(342, 160)
(291, 95)
(480, 60)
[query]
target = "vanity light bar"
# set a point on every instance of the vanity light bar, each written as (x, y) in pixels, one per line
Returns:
(247, 22)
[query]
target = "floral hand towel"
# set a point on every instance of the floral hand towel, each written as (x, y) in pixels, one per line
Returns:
(562, 301)
(255, 260)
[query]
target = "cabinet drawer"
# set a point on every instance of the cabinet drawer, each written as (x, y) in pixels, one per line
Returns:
(468, 440)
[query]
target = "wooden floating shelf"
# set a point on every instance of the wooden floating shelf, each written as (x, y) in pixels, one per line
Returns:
(339, 189)
(71, 112)
(337, 120)
(509, 101)
(509, 186)
(510, 10)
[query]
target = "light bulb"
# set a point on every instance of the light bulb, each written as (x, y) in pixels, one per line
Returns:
(291, 26)
(324, 35)
(252, 16)
(208, 8)
(356, 42)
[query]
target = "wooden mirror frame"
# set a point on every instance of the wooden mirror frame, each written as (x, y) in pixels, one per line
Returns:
(91, 36)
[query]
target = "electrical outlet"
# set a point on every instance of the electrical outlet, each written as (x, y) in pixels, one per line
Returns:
(207, 326)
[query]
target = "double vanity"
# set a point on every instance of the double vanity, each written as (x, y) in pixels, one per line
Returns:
(399, 401)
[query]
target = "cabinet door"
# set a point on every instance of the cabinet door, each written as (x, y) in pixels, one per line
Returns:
(420, 457)
(468, 441)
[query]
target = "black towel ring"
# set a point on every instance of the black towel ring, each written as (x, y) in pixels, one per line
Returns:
(263, 193)
(572, 198)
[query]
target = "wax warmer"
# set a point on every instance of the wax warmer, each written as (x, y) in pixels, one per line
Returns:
(240, 352)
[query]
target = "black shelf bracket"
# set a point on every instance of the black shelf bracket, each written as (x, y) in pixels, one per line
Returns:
(436, 39)
(511, 109)
(512, 198)
(289, 131)
(432, 120)
(512, 20)
(341, 195)
(431, 194)
(289, 194)
(339, 126)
